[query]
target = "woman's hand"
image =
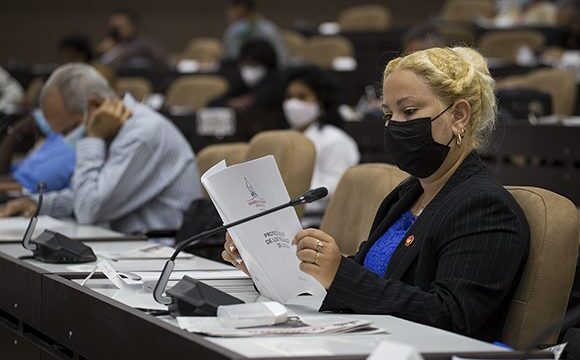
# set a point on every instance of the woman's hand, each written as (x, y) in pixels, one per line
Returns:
(232, 255)
(319, 255)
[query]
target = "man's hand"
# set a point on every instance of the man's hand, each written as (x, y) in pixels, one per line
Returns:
(23, 206)
(105, 122)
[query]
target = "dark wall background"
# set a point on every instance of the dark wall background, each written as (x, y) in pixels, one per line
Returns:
(30, 29)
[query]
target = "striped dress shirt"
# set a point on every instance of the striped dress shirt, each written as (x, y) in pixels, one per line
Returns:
(143, 180)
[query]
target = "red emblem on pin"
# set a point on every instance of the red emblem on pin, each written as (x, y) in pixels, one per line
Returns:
(409, 240)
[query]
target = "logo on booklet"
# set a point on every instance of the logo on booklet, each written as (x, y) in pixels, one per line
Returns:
(255, 200)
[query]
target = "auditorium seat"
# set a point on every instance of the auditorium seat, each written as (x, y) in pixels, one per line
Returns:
(369, 17)
(204, 50)
(542, 294)
(294, 153)
(467, 10)
(560, 84)
(357, 197)
(504, 44)
(194, 91)
(138, 87)
(232, 153)
(322, 50)
(294, 42)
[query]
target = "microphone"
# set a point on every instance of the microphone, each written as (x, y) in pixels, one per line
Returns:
(53, 247)
(180, 301)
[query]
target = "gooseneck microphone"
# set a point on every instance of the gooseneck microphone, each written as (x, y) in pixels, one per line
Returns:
(33, 220)
(54, 247)
(307, 197)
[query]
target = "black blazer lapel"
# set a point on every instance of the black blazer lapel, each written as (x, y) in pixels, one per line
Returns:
(406, 253)
(392, 211)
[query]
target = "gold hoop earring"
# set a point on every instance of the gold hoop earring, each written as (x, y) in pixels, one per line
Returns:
(459, 140)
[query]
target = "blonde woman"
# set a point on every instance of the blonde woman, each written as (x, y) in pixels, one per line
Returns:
(448, 245)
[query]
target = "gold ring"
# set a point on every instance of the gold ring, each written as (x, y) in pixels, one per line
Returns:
(318, 245)
(316, 258)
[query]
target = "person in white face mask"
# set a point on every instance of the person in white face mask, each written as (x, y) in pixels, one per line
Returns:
(310, 107)
(259, 85)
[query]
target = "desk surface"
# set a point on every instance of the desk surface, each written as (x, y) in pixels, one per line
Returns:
(12, 229)
(196, 262)
(426, 339)
(65, 308)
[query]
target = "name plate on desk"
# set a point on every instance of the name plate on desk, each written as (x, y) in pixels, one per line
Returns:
(217, 122)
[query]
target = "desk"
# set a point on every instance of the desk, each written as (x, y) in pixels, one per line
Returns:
(12, 230)
(46, 314)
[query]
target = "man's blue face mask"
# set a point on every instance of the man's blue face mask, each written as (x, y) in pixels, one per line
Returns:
(41, 123)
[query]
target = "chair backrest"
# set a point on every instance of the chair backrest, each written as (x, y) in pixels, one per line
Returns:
(322, 50)
(354, 204)
(365, 18)
(138, 87)
(204, 50)
(560, 84)
(467, 10)
(294, 153)
(232, 153)
(294, 42)
(542, 293)
(195, 91)
(505, 44)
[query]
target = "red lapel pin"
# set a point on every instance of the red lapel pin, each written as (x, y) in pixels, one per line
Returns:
(409, 240)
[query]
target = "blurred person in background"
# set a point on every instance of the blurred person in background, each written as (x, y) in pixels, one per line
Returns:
(421, 37)
(78, 48)
(310, 106)
(125, 48)
(259, 84)
(11, 93)
(246, 23)
(134, 171)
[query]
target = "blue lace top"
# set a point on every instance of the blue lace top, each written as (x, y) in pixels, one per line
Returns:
(379, 255)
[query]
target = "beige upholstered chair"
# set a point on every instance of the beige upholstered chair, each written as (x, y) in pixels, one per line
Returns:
(560, 84)
(365, 18)
(543, 291)
(138, 87)
(355, 201)
(467, 10)
(294, 153)
(232, 153)
(505, 44)
(322, 50)
(195, 91)
(294, 42)
(204, 50)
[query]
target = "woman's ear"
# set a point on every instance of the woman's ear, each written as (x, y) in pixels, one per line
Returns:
(461, 115)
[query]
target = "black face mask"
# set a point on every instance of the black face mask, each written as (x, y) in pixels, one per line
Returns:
(412, 146)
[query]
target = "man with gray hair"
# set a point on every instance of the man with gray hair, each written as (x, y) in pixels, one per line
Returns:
(134, 170)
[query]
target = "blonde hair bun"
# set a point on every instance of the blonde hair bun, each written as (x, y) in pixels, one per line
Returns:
(454, 74)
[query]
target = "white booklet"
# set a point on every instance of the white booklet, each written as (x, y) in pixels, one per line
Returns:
(265, 244)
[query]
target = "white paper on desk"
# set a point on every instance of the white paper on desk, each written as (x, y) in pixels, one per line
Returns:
(199, 275)
(265, 245)
(14, 227)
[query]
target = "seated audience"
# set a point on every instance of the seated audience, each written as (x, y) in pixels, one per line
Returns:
(126, 48)
(74, 48)
(258, 84)
(448, 245)
(134, 170)
(311, 108)
(11, 93)
(246, 23)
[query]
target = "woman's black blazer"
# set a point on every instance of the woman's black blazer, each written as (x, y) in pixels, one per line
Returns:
(457, 266)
